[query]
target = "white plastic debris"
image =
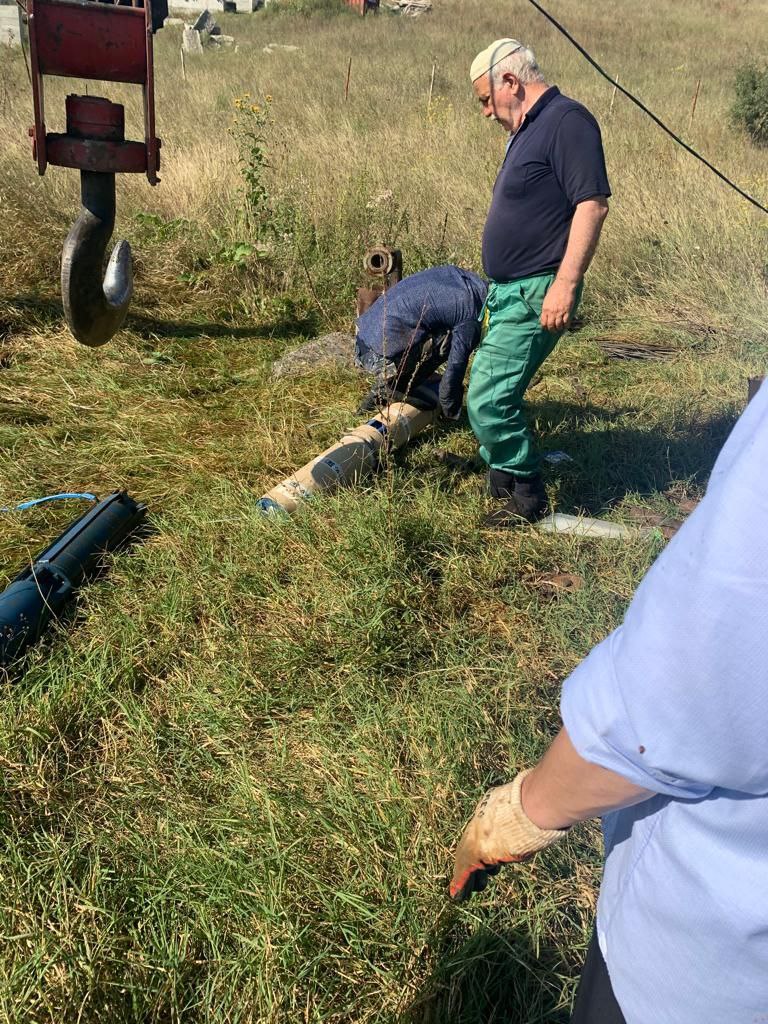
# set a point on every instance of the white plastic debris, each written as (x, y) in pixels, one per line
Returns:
(583, 526)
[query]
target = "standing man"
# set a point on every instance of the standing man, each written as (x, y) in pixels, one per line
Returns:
(548, 207)
(664, 736)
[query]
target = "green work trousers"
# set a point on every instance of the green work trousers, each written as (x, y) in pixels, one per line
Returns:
(513, 347)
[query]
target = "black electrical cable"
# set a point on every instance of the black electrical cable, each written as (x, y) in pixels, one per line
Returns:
(645, 109)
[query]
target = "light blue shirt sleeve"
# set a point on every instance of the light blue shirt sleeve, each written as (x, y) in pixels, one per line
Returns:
(676, 699)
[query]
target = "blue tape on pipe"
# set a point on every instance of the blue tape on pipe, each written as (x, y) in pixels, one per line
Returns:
(334, 467)
(271, 508)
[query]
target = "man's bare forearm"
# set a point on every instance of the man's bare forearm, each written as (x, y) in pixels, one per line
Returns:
(563, 788)
(560, 299)
(583, 237)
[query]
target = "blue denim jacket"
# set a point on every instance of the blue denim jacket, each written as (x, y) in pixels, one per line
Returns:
(429, 304)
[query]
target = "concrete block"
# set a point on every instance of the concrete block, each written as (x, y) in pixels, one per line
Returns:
(10, 26)
(204, 22)
(191, 7)
(192, 42)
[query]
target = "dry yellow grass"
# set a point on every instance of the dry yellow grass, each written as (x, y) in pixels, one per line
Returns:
(679, 246)
(232, 780)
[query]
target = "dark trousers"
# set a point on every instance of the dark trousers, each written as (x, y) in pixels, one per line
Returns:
(404, 373)
(595, 1001)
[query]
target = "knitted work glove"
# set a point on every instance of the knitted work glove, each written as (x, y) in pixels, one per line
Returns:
(500, 832)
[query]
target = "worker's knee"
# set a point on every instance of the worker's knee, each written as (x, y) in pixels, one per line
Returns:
(493, 403)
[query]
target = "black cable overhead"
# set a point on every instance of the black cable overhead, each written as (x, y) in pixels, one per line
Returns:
(678, 140)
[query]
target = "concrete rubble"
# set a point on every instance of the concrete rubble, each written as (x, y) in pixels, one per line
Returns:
(192, 42)
(202, 20)
(203, 32)
(192, 7)
(413, 8)
(205, 22)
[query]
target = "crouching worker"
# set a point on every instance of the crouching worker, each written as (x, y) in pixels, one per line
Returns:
(423, 321)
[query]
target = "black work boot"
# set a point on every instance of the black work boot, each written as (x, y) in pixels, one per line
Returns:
(524, 500)
(371, 403)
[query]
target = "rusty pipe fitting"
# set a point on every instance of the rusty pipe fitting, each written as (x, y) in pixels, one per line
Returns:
(385, 265)
(382, 261)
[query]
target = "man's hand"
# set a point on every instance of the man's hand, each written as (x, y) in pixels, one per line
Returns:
(451, 395)
(500, 832)
(558, 306)
(585, 231)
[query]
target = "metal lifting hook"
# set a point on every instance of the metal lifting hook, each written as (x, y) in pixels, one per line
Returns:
(109, 41)
(95, 310)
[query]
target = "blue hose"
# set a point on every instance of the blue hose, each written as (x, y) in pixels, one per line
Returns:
(49, 497)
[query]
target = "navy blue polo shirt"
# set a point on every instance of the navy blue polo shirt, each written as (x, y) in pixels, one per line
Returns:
(554, 161)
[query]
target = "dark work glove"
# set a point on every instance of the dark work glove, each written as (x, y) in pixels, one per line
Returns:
(451, 399)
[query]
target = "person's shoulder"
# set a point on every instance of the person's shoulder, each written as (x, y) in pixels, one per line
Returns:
(568, 110)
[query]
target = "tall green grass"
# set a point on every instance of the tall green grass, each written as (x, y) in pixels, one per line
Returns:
(233, 776)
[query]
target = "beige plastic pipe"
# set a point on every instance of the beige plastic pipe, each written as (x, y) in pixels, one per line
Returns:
(355, 455)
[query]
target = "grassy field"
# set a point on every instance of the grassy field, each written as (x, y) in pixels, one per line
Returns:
(232, 781)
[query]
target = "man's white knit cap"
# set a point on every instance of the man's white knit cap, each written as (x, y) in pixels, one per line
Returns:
(491, 56)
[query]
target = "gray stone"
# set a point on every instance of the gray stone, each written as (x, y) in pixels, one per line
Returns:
(205, 22)
(330, 351)
(270, 48)
(192, 42)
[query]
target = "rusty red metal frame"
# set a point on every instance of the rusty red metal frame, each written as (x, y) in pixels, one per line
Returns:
(95, 41)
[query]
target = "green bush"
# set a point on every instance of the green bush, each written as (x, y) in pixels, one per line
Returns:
(750, 111)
